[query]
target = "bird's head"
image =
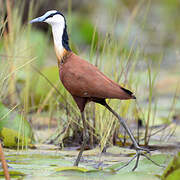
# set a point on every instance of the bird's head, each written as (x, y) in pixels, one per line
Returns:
(58, 22)
(52, 17)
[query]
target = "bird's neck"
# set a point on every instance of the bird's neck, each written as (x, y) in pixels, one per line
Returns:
(61, 41)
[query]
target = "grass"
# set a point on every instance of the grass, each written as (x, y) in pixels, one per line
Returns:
(26, 51)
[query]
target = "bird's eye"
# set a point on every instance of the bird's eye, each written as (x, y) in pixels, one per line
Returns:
(51, 15)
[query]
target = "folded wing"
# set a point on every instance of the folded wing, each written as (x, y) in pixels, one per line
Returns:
(83, 79)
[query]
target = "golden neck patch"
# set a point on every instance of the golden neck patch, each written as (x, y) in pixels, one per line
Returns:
(62, 56)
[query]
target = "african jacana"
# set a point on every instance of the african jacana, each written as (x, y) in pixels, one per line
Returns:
(83, 80)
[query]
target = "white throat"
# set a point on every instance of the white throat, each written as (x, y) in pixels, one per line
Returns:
(57, 31)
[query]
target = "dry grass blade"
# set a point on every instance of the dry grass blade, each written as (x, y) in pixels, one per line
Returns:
(9, 14)
(149, 107)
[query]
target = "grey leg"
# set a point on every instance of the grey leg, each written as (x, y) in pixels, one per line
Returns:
(139, 150)
(84, 140)
(122, 122)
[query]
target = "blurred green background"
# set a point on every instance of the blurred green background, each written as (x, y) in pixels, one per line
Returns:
(135, 43)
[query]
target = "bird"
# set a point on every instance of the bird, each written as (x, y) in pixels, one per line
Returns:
(85, 82)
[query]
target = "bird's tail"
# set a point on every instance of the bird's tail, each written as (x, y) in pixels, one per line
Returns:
(129, 93)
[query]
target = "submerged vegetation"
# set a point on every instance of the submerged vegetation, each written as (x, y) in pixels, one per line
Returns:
(132, 46)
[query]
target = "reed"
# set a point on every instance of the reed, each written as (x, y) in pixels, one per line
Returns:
(24, 54)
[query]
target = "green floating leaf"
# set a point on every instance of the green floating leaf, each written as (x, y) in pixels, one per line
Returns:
(134, 176)
(172, 172)
(72, 168)
(11, 138)
(77, 169)
(13, 173)
(15, 130)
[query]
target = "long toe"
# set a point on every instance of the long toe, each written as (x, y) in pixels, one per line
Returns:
(142, 153)
(139, 152)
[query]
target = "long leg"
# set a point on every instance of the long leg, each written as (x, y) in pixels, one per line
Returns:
(125, 127)
(84, 140)
(136, 146)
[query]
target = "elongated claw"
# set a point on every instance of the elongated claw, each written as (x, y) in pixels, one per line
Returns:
(152, 161)
(139, 152)
(127, 163)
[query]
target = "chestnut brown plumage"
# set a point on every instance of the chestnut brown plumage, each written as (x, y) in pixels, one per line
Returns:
(84, 81)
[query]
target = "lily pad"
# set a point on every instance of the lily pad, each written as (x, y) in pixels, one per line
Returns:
(72, 168)
(134, 176)
(13, 173)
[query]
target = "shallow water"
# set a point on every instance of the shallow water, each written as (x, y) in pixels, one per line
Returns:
(50, 164)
